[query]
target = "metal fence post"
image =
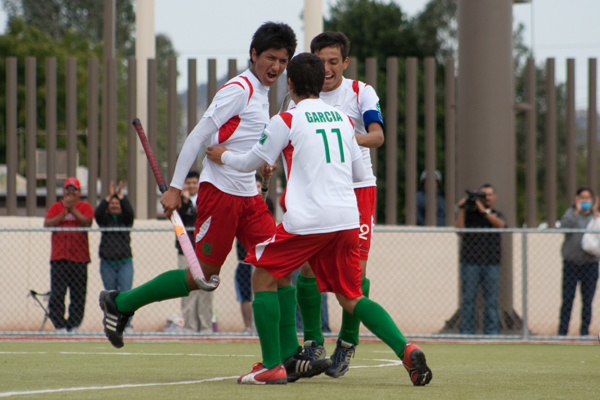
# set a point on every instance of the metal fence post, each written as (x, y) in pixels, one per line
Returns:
(524, 321)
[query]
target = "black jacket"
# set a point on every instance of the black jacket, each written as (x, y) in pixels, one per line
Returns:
(115, 245)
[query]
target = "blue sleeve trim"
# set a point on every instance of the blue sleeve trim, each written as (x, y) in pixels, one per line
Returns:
(372, 116)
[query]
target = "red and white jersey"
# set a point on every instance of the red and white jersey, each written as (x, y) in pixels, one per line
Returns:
(318, 150)
(239, 113)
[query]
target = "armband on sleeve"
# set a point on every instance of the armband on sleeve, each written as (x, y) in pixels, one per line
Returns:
(372, 116)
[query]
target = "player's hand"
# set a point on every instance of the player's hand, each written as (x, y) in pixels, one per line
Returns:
(171, 201)
(267, 170)
(214, 154)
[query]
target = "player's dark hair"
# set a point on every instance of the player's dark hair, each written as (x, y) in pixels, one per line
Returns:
(307, 73)
(331, 39)
(193, 174)
(273, 35)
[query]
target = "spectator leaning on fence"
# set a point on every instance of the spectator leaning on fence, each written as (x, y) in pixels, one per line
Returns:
(578, 265)
(69, 256)
(480, 258)
(197, 308)
(440, 203)
(116, 264)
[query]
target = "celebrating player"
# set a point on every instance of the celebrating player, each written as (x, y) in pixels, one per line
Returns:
(321, 223)
(228, 202)
(360, 102)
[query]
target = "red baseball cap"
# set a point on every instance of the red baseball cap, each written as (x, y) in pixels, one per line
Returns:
(71, 181)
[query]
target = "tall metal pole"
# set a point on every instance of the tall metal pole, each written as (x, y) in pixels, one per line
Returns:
(313, 21)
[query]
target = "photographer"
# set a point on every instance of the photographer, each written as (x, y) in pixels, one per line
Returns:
(480, 258)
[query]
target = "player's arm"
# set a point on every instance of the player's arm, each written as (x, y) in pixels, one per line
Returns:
(54, 220)
(372, 119)
(246, 162)
(231, 100)
(374, 137)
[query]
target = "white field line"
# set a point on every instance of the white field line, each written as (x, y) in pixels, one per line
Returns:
(129, 354)
(389, 363)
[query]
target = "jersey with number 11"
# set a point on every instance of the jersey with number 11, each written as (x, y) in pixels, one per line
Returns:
(318, 146)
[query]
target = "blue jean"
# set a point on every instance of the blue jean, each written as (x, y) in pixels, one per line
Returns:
(587, 274)
(488, 276)
(117, 276)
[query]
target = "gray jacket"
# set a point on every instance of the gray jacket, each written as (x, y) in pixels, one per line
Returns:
(571, 248)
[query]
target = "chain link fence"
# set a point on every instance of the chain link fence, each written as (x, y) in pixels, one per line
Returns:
(414, 272)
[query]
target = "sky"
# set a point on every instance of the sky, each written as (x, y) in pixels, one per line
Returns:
(223, 29)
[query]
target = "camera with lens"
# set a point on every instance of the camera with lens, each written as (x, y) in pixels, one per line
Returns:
(470, 204)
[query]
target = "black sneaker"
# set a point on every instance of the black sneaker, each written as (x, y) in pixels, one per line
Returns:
(314, 350)
(301, 366)
(114, 321)
(340, 359)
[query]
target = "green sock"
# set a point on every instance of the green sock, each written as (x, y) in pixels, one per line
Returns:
(287, 324)
(309, 300)
(378, 321)
(350, 323)
(266, 318)
(168, 285)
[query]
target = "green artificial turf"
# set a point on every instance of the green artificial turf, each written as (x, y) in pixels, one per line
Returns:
(95, 370)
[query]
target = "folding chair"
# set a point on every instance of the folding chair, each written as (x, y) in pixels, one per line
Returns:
(42, 299)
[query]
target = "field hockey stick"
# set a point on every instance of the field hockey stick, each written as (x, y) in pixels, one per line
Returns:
(182, 236)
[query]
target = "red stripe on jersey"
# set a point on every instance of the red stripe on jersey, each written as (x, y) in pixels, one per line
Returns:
(287, 118)
(287, 157)
(250, 85)
(355, 88)
(227, 129)
(350, 119)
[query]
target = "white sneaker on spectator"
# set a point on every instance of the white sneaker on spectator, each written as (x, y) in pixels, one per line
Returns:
(61, 331)
(74, 330)
(129, 330)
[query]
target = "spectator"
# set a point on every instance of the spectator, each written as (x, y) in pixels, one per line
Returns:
(69, 257)
(578, 265)
(243, 275)
(197, 308)
(480, 258)
(116, 265)
(440, 203)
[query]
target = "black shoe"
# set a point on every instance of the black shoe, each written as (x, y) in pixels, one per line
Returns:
(302, 366)
(114, 321)
(340, 359)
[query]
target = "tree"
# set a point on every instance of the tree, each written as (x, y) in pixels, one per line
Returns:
(57, 17)
(382, 30)
(74, 28)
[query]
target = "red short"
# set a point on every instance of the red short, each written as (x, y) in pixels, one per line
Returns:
(222, 217)
(365, 198)
(333, 258)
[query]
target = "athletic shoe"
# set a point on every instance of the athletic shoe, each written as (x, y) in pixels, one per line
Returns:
(61, 331)
(114, 321)
(264, 376)
(415, 364)
(340, 359)
(301, 366)
(74, 330)
(314, 350)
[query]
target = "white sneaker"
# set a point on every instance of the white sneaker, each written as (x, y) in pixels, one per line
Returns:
(62, 331)
(74, 330)
(129, 330)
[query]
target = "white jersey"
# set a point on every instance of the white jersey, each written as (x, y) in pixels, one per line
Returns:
(318, 150)
(359, 102)
(239, 113)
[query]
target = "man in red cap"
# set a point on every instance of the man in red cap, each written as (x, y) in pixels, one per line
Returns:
(69, 256)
